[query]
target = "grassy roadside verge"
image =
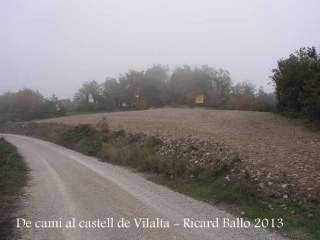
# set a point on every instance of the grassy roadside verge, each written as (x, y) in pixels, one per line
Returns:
(297, 225)
(13, 176)
(208, 183)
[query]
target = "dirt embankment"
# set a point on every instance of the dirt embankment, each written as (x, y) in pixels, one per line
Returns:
(281, 156)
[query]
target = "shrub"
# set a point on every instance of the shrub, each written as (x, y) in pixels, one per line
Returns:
(103, 126)
(89, 146)
(70, 137)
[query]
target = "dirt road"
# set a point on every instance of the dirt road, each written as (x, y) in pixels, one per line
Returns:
(272, 147)
(65, 184)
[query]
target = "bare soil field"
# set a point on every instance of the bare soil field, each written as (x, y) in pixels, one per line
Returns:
(278, 152)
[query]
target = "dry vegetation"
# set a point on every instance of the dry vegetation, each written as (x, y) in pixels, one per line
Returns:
(280, 155)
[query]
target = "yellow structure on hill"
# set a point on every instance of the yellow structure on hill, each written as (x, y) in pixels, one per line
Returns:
(200, 99)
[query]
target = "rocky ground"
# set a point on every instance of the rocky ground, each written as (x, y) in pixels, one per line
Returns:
(280, 156)
(254, 179)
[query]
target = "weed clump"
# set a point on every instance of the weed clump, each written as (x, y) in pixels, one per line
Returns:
(81, 137)
(13, 176)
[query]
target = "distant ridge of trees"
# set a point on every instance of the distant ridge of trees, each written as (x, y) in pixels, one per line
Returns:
(27, 104)
(157, 87)
(296, 79)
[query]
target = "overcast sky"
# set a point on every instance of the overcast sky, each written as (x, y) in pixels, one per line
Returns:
(56, 45)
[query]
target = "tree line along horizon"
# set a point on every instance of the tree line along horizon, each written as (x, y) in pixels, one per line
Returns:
(296, 79)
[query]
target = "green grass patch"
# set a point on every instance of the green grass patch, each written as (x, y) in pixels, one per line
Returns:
(13, 176)
(297, 225)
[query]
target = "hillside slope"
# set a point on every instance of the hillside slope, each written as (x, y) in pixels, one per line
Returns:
(277, 151)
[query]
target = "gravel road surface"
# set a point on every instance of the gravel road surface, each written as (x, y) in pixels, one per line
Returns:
(65, 184)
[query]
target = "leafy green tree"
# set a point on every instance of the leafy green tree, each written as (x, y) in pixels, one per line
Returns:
(180, 86)
(311, 97)
(111, 91)
(220, 85)
(89, 96)
(153, 87)
(264, 102)
(242, 96)
(186, 83)
(130, 88)
(26, 104)
(297, 83)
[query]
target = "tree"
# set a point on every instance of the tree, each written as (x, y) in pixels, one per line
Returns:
(242, 96)
(153, 86)
(311, 97)
(297, 83)
(180, 85)
(26, 104)
(89, 97)
(130, 88)
(264, 102)
(111, 91)
(186, 83)
(220, 85)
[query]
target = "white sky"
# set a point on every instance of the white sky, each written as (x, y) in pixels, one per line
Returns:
(55, 45)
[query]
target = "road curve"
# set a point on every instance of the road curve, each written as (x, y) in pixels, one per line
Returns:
(65, 184)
